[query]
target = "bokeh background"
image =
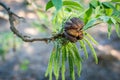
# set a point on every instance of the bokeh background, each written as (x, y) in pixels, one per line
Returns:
(28, 61)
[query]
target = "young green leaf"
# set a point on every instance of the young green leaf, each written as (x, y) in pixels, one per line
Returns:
(49, 5)
(113, 20)
(65, 3)
(82, 44)
(89, 23)
(109, 12)
(72, 4)
(94, 3)
(110, 22)
(108, 5)
(117, 6)
(87, 15)
(104, 18)
(117, 19)
(116, 13)
(92, 50)
(57, 4)
(115, 0)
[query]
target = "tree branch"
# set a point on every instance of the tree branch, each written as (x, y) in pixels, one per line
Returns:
(20, 35)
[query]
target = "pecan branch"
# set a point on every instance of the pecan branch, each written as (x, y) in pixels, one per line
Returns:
(20, 35)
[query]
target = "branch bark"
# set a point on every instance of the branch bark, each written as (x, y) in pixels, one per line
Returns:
(20, 35)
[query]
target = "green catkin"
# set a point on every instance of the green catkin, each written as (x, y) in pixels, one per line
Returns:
(71, 65)
(92, 50)
(82, 44)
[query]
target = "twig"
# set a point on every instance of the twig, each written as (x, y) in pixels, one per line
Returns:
(20, 35)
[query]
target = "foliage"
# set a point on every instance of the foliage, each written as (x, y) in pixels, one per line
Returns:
(8, 42)
(63, 51)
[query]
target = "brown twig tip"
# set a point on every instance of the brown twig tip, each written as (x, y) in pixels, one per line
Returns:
(20, 35)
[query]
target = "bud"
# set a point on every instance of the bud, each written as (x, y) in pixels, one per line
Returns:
(73, 29)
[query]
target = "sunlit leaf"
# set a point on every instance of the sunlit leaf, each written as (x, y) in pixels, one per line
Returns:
(72, 4)
(117, 6)
(89, 23)
(97, 11)
(65, 3)
(108, 5)
(49, 5)
(104, 18)
(94, 3)
(87, 15)
(108, 11)
(76, 52)
(113, 20)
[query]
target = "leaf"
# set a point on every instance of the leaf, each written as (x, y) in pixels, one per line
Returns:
(87, 15)
(109, 12)
(94, 3)
(117, 6)
(65, 3)
(108, 5)
(82, 44)
(116, 19)
(113, 20)
(104, 18)
(89, 23)
(72, 3)
(115, 0)
(49, 5)
(97, 11)
(57, 4)
(92, 50)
